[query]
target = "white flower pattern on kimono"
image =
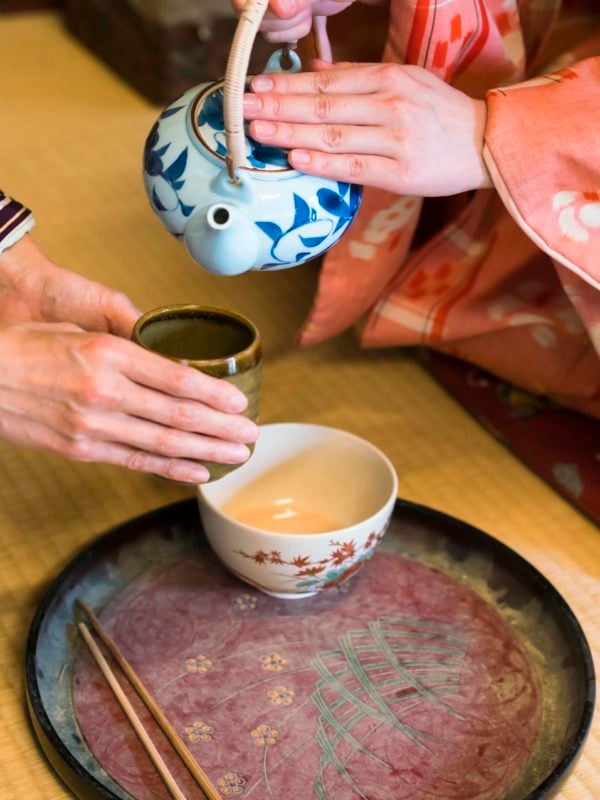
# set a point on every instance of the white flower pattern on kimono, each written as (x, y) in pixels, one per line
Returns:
(578, 214)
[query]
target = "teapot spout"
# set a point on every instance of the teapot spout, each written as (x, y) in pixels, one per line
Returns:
(222, 240)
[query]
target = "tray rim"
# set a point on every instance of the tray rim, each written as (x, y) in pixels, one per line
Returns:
(72, 772)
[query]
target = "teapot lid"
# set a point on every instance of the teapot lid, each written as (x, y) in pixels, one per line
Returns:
(209, 126)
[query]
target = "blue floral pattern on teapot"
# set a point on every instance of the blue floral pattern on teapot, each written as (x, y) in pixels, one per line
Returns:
(273, 217)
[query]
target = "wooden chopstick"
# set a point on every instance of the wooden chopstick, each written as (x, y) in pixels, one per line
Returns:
(133, 718)
(195, 769)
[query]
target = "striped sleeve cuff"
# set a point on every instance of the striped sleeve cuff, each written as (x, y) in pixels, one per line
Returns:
(15, 221)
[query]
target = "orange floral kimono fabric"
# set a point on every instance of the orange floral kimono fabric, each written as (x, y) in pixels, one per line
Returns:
(510, 279)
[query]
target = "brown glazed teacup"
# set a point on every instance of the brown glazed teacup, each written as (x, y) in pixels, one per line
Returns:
(217, 341)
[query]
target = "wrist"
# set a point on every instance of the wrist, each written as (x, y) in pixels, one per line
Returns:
(15, 223)
(24, 272)
(20, 259)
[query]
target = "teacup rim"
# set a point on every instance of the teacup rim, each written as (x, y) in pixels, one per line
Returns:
(391, 498)
(252, 351)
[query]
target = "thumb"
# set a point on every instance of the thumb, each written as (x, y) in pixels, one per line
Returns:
(54, 327)
(121, 315)
(287, 9)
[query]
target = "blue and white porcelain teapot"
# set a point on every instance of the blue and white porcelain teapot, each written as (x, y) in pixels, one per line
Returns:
(237, 204)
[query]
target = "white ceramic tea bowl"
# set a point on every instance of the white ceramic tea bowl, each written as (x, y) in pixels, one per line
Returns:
(300, 478)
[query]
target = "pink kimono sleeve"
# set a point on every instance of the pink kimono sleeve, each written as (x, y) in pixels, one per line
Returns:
(543, 153)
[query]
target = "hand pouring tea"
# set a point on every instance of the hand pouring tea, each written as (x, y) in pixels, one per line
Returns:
(237, 204)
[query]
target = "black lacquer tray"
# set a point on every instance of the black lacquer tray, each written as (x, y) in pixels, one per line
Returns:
(437, 587)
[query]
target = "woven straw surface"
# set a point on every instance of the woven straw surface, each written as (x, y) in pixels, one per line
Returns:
(70, 148)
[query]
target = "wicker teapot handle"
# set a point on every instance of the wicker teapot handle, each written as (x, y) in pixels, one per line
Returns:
(235, 78)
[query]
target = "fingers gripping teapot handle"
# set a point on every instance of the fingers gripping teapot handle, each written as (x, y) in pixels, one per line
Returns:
(285, 60)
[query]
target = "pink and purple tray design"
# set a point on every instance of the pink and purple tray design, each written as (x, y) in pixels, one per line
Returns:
(429, 675)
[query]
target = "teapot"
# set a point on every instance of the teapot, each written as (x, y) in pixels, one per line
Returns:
(236, 203)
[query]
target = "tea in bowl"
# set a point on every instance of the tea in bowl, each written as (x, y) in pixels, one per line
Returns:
(216, 341)
(305, 513)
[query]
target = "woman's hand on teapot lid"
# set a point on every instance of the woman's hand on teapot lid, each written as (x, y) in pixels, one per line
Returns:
(290, 20)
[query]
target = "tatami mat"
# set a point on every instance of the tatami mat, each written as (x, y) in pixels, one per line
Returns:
(70, 147)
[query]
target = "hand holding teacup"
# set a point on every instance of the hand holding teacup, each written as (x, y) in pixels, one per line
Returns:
(217, 344)
(72, 383)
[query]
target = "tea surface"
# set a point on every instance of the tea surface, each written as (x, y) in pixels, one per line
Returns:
(281, 516)
(196, 338)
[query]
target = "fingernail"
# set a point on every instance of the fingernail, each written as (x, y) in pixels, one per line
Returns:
(238, 453)
(237, 403)
(252, 102)
(300, 157)
(196, 475)
(262, 83)
(249, 433)
(289, 7)
(262, 128)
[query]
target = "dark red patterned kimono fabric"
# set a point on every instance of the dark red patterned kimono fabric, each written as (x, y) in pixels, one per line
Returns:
(560, 445)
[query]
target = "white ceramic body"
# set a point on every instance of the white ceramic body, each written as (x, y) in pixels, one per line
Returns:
(273, 218)
(325, 470)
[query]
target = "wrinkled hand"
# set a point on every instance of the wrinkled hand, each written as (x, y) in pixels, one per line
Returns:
(89, 395)
(34, 289)
(96, 397)
(394, 127)
(289, 20)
